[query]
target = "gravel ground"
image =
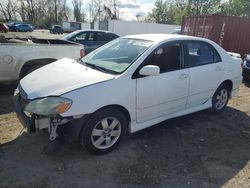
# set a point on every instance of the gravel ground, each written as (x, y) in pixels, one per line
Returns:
(198, 150)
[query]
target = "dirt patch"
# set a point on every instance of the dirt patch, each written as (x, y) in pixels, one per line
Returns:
(198, 150)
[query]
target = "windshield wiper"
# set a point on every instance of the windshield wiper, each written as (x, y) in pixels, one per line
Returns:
(96, 67)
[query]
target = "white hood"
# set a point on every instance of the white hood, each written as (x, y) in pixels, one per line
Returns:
(60, 77)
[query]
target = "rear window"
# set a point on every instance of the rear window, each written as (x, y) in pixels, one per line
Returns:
(201, 53)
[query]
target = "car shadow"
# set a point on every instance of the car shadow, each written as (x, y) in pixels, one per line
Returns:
(6, 94)
(197, 150)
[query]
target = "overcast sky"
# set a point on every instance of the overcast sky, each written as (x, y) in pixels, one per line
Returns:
(129, 8)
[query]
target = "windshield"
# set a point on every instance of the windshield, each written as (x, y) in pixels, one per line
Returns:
(118, 55)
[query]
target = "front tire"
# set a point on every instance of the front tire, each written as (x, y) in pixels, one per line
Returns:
(103, 131)
(220, 98)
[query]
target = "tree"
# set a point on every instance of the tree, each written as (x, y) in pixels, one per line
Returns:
(160, 14)
(8, 10)
(199, 7)
(103, 10)
(43, 13)
(172, 13)
(236, 8)
(167, 13)
(77, 9)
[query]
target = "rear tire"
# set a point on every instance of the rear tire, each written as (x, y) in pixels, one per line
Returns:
(220, 98)
(103, 131)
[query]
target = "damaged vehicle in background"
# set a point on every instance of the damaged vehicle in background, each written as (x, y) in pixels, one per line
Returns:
(125, 86)
(31, 54)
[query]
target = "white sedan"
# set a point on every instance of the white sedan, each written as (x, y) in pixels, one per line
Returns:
(125, 86)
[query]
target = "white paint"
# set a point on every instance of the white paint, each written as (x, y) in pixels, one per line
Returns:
(85, 26)
(66, 26)
(60, 77)
(149, 100)
(150, 70)
(155, 98)
(19, 54)
(222, 34)
(199, 92)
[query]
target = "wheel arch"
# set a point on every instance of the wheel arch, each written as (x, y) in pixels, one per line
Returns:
(229, 83)
(119, 107)
(85, 136)
(77, 125)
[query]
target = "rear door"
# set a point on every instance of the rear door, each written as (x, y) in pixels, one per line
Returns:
(206, 71)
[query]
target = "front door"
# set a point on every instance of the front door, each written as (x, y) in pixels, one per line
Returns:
(166, 93)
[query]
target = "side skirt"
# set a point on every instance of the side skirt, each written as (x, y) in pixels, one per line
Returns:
(134, 126)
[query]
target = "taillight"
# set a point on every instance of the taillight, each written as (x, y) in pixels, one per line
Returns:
(82, 53)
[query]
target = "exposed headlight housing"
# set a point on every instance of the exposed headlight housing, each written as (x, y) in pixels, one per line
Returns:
(49, 106)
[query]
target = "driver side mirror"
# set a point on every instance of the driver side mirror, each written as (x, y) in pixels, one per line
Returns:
(150, 70)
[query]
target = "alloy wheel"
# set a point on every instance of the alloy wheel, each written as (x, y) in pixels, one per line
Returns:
(106, 133)
(221, 99)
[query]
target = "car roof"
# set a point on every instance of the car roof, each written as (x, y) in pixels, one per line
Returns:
(23, 24)
(163, 37)
(95, 30)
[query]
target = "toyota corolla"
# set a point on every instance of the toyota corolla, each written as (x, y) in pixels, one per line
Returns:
(125, 86)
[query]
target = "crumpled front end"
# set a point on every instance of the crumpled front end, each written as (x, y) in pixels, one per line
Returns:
(33, 121)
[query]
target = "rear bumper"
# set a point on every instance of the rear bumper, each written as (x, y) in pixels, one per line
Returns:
(236, 85)
(246, 73)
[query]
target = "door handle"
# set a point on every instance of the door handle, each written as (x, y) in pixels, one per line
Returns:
(218, 68)
(183, 76)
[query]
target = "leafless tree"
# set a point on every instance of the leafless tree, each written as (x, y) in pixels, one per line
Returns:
(77, 9)
(8, 10)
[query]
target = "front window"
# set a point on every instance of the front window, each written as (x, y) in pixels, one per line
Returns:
(69, 36)
(167, 57)
(116, 56)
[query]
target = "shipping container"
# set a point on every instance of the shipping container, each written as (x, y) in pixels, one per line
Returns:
(230, 32)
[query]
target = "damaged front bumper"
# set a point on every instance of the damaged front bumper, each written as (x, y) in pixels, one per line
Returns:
(27, 122)
(33, 122)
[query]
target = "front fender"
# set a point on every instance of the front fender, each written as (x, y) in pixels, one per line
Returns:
(88, 99)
